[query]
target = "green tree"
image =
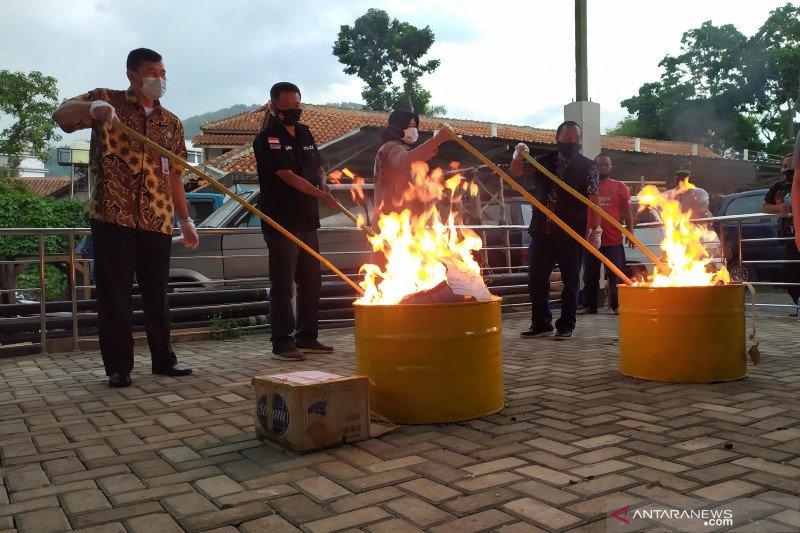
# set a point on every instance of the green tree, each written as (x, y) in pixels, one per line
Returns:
(20, 208)
(774, 66)
(700, 95)
(376, 48)
(726, 90)
(29, 100)
(627, 127)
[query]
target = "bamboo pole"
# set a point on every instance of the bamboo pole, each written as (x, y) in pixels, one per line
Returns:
(183, 164)
(608, 218)
(552, 216)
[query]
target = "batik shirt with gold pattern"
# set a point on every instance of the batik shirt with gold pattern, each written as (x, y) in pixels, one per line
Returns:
(131, 184)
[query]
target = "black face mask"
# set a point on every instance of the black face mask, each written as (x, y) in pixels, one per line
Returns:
(604, 175)
(569, 150)
(788, 174)
(290, 116)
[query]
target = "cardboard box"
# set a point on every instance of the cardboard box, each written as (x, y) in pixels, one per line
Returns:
(309, 410)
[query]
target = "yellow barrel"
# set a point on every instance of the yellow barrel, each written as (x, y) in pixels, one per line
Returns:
(682, 334)
(431, 363)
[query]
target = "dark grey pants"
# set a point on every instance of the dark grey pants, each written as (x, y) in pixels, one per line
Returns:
(289, 266)
(119, 253)
(544, 252)
(591, 275)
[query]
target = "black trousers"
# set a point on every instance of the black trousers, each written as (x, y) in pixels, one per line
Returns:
(591, 275)
(289, 265)
(119, 253)
(543, 254)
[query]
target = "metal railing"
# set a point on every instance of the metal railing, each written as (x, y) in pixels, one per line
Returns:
(81, 263)
(503, 261)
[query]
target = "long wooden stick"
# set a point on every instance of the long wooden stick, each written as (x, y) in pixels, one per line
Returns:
(608, 218)
(552, 216)
(183, 164)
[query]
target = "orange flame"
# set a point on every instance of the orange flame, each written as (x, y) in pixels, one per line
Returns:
(418, 245)
(357, 192)
(686, 256)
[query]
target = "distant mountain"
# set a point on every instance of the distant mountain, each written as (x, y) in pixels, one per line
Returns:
(191, 125)
(346, 105)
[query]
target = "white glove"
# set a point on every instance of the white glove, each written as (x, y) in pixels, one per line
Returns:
(595, 237)
(443, 133)
(189, 237)
(103, 112)
(519, 148)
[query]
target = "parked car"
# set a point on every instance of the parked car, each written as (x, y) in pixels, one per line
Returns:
(743, 203)
(518, 212)
(242, 258)
(649, 230)
(202, 204)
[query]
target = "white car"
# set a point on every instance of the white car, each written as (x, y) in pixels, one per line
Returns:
(649, 229)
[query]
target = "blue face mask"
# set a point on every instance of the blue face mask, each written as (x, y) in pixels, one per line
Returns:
(568, 150)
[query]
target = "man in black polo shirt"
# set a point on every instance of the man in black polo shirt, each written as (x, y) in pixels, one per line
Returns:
(292, 182)
(549, 243)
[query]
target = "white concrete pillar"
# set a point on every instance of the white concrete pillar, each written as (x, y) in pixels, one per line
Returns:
(587, 114)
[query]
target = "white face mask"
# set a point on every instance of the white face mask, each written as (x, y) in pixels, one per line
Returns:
(410, 135)
(153, 87)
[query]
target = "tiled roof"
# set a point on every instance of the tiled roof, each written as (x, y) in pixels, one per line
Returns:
(329, 123)
(222, 139)
(44, 186)
(248, 121)
(652, 146)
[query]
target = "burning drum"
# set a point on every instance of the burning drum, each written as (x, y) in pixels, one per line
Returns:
(431, 363)
(682, 334)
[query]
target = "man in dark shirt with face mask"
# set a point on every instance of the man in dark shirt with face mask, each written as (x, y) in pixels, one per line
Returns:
(549, 243)
(778, 200)
(292, 182)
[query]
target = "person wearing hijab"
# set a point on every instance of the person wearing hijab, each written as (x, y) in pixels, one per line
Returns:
(392, 172)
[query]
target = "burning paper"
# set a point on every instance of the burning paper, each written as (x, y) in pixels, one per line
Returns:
(422, 249)
(684, 252)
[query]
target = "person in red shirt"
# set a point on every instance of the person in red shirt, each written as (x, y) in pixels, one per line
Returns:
(615, 199)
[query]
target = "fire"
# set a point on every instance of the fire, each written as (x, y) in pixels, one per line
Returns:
(356, 192)
(684, 253)
(422, 248)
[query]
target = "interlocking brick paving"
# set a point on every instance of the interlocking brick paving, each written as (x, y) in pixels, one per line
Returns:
(574, 437)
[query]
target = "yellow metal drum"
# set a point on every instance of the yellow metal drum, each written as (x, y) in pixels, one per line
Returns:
(682, 334)
(431, 363)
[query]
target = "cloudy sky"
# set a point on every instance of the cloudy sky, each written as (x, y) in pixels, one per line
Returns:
(502, 61)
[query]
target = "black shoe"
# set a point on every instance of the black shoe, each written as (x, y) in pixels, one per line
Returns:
(537, 332)
(586, 311)
(118, 380)
(312, 346)
(175, 370)
(287, 351)
(563, 335)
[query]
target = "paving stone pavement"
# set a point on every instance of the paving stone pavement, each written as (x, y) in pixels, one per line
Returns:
(574, 439)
